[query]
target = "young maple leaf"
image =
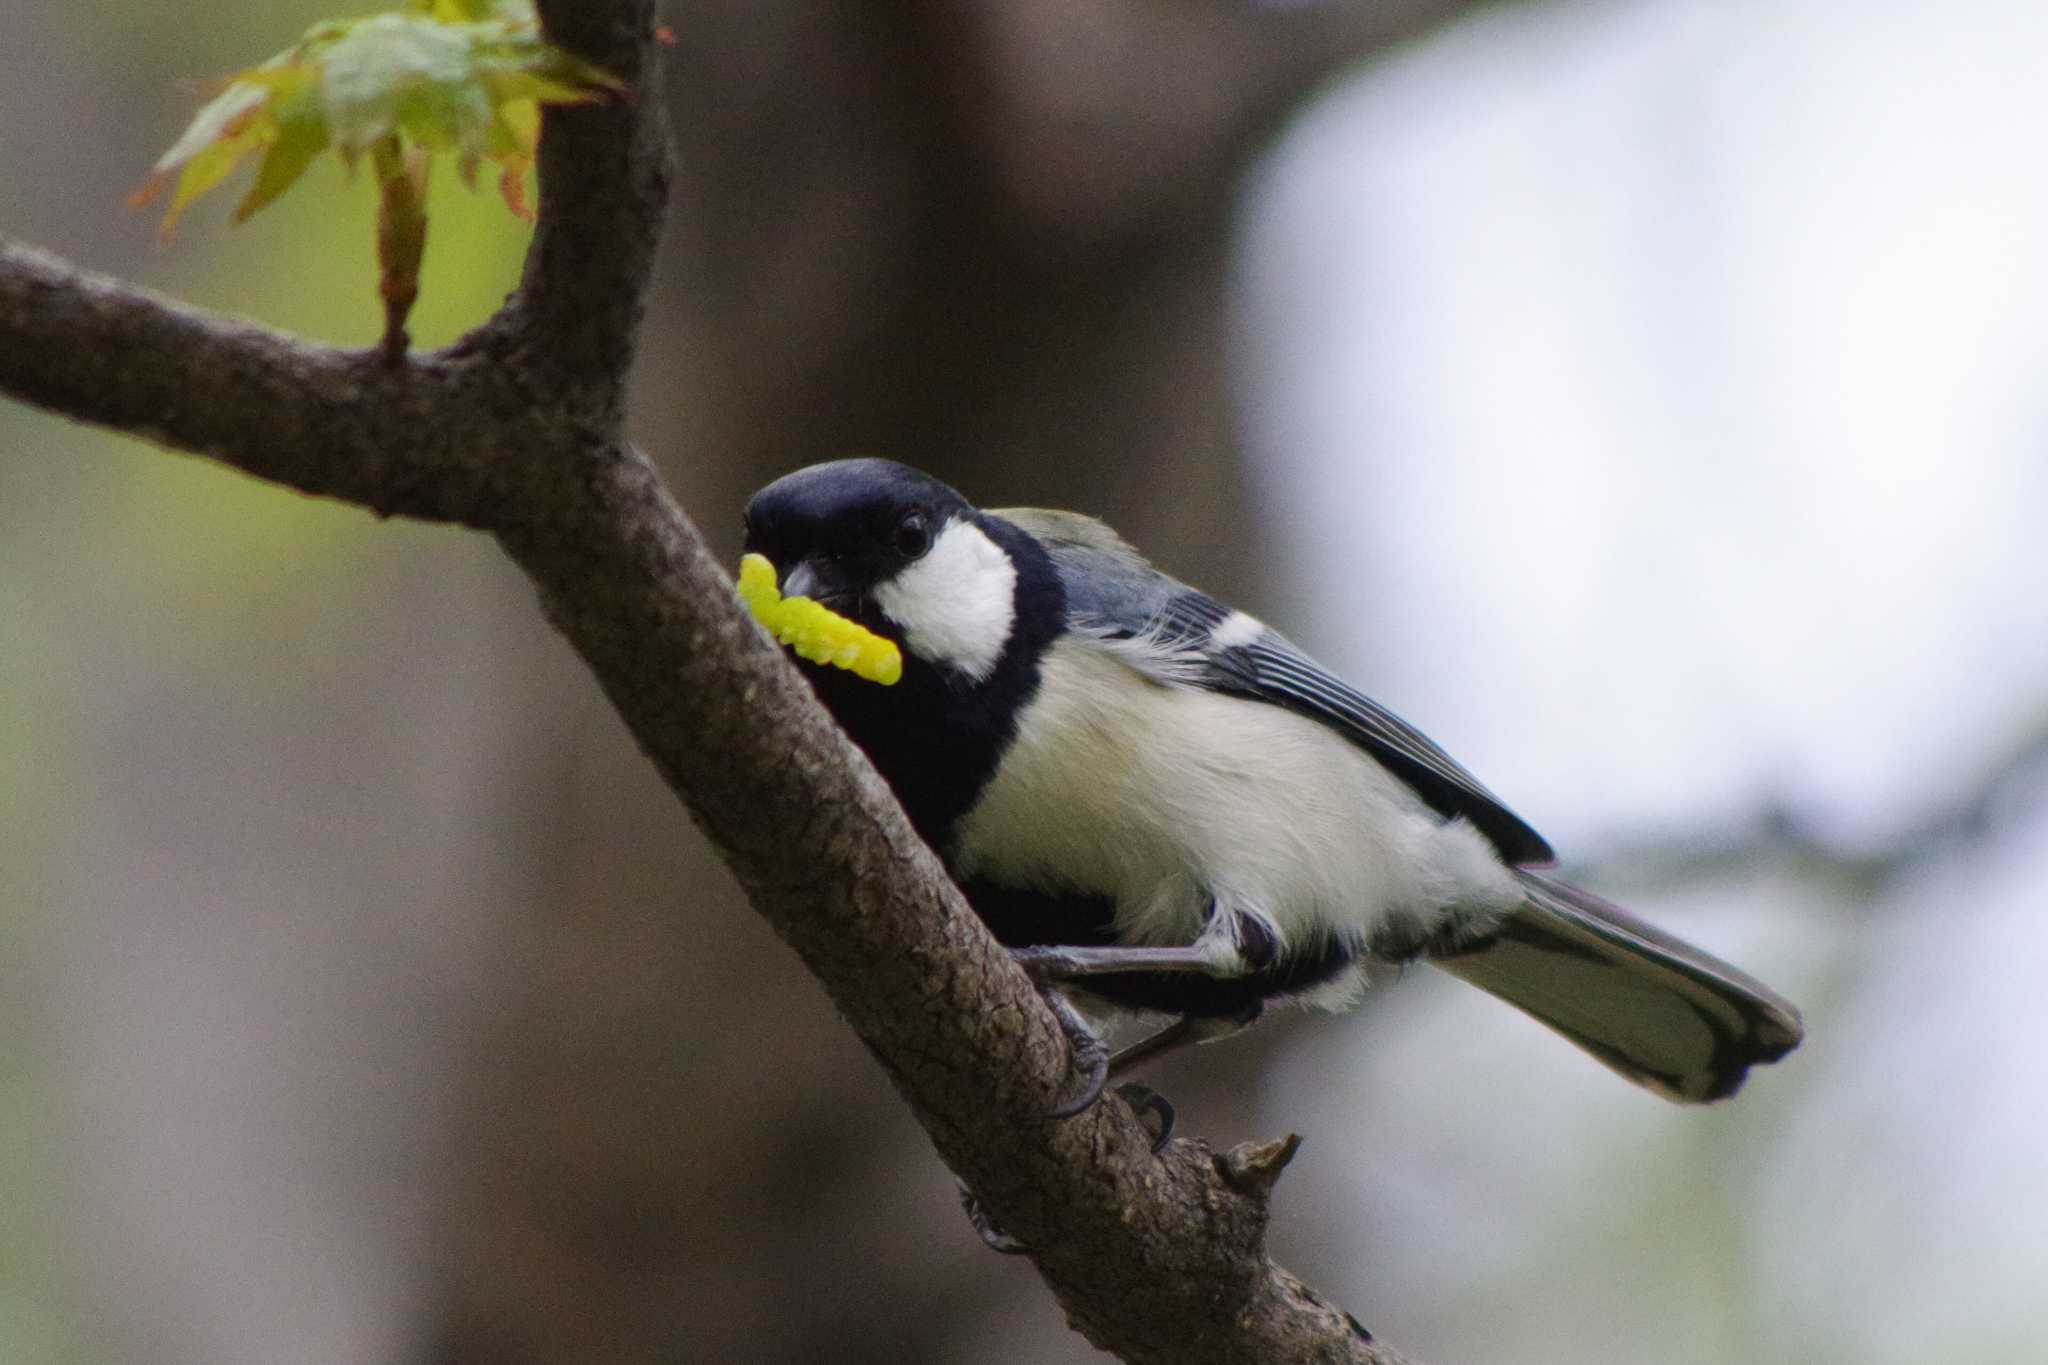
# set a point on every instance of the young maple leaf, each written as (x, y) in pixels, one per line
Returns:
(461, 76)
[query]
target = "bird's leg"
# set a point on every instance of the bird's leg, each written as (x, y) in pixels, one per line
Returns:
(1180, 1033)
(1230, 944)
(1175, 1035)
(1093, 1057)
(1047, 966)
(1065, 963)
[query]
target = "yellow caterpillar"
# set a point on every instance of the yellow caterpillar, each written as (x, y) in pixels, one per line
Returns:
(814, 630)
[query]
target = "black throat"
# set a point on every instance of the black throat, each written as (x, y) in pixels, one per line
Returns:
(937, 735)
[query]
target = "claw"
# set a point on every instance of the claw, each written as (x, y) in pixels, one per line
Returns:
(1144, 1100)
(1091, 1058)
(1089, 1054)
(985, 1227)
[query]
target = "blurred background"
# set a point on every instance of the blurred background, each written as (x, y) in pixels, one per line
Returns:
(1645, 399)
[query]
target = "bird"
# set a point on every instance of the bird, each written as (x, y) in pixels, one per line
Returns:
(1162, 807)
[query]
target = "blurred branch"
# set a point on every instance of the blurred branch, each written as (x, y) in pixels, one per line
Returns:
(1782, 835)
(517, 430)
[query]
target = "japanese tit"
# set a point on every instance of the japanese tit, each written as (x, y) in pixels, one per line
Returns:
(1165, 805)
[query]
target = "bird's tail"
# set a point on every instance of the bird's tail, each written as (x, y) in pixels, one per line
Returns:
(1659, 1011)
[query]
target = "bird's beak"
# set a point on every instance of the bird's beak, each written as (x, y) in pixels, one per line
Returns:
(816, 580)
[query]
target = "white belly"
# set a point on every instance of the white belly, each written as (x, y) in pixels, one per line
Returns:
(1166, 797)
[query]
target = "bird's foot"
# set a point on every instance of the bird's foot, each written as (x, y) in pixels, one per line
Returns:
(1087, 1052)
(1154, 1113)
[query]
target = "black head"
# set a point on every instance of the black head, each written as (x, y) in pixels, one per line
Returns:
(841, 529)
(902, 554)
(972, 599)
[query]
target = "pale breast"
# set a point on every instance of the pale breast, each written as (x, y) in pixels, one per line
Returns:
(1164, 797)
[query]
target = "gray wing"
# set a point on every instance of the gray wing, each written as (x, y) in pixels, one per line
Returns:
(1113, 591)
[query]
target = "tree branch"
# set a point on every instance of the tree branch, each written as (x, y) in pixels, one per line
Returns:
(336, 423)
(516, 430)
(606, 178)
(1957, 824)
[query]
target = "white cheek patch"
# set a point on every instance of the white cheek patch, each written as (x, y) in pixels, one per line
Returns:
(957, 604)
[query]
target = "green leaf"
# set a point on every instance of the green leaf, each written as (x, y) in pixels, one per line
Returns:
(386, 62)
(463, 76)
(460, 76)
(300, 134)
(224, 131)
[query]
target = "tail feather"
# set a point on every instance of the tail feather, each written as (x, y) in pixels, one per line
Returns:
(1654, 1008)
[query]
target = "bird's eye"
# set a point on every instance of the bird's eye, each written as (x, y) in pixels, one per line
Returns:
(913, 535)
